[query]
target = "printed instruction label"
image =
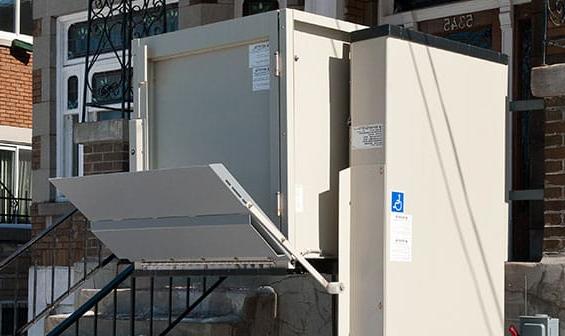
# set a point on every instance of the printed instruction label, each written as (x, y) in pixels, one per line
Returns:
(261, 78)
(259, 55)
(367, 137)
(400, 237)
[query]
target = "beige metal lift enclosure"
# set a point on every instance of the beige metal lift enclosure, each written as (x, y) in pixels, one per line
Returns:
(423, 250)
(266, 96)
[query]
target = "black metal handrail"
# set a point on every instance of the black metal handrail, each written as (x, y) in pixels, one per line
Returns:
(112, 287)
(47, 251)
(26, 247)
(11, 214)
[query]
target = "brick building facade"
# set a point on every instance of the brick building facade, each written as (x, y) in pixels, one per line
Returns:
(511, 27)
(16, 61)
(15, 87)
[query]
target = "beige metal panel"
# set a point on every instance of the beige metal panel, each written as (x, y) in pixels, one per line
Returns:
(293, 137)
(344, 253)
(367, 251)
(368, 94)
(209, 37)
(318, 134)
(184, 192)
(444, 117)
(203, 108)
(217, 119)
(324, 21)
(452, 128)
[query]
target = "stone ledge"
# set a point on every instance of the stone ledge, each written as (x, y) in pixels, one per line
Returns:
(548, 81)
(101, 131)
(542, 284)
(53, 208)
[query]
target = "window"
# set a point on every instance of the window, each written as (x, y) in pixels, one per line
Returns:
(105, 92)
(111, 37)
(16, 16)
(7, 317)
(72, 93)
(15, 183)
(107, 87)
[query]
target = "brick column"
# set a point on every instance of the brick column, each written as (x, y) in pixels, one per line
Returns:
(106, 146)
(554, 184)
(548, 82)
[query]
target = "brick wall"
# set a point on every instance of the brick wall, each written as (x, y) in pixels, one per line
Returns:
(106, 157)
(554, 189)
(15, 87)
(68, 244)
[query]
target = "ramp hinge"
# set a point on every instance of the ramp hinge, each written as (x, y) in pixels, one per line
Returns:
(277, 63)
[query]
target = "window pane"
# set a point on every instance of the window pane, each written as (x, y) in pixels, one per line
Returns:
(24, 173)
(72, 93)
(26, 18)
(107, 87)
(7, 185)
(144, 25)
(7, 15)
(7, 169)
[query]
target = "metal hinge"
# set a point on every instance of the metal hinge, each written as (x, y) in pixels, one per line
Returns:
(279, 204)
(277, 63)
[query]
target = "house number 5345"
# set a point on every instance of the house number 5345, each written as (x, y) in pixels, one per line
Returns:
(457, 22)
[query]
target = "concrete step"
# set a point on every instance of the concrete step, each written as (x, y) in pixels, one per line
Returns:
(223, 301)
(211, 326)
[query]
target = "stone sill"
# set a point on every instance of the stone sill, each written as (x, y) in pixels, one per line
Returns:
(548, 81)
(102, 131)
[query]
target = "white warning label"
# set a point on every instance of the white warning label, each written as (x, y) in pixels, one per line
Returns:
(367, 136)
(400, 237)
(261, 78)
(259, 55)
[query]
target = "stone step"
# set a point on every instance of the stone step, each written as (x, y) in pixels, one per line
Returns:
(223, 301)
(211, 326)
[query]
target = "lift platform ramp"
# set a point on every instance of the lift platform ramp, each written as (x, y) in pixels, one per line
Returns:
(195, 218)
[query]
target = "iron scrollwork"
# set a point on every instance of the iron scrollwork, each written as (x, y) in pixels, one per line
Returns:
(111, 26)
(554, 18)
(556, 12)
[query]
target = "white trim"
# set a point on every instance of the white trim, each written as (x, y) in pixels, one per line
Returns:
(15, 134)
(437, 12)
(17, 20)
(6, 38)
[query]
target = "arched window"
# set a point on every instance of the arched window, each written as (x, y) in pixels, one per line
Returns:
(72, 93)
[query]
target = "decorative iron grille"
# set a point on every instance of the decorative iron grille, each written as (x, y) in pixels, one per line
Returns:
(111, 26)
(554, 20)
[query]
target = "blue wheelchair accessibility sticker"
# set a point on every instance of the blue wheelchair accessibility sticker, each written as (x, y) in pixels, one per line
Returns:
(397, 201)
